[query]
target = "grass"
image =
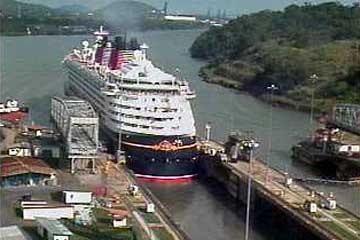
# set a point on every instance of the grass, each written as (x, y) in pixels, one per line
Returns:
(151, 218)
(341, 215)
(97, 232)
(79, 237)
(355, 224)
(341, 231)
(18, 212)
(162, 234)
(102, 217)
(101, 229)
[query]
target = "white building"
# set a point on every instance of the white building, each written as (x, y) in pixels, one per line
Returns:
(120, 221)
(47, 211)
(51, 229)
(77, 197)
(20, 150)
(180, 18)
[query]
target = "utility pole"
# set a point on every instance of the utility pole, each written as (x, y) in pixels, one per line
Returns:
(271, 89)
(249, 145)
(207, 132)
(165, 9)
(313, 80)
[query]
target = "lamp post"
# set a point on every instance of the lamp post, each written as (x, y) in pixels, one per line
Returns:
(249, 145)
(207, 132)
(313, 79)
(271, 89)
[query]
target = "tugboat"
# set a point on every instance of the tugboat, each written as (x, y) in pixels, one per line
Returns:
(331, 149)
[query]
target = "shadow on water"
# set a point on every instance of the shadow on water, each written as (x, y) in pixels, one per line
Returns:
(40, 109)
(266, 219)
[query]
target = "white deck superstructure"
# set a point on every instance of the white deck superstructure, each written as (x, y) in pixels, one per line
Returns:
(136, 97)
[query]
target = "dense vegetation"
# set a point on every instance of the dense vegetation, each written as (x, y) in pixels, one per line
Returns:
(285, 48)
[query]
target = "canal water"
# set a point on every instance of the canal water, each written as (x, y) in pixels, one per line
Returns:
(30, 70)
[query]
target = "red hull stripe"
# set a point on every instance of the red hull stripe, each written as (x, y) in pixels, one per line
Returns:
(156, 148)
(166, 178)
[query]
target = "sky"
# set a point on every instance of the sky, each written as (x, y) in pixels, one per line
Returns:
(233, 7)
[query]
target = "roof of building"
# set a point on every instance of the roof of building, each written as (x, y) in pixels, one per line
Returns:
(11, 233)
(22, 145)
(118, 214)
(53, 226)
(12, 166)
(77, 107)
(35, 127)
(45, 206)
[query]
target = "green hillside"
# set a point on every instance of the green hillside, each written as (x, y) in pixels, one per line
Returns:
(285, 48)
(13, 8)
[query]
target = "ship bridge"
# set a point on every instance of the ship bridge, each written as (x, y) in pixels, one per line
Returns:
(79, 125)
(347, 117)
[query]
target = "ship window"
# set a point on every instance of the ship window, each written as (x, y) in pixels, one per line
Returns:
(153, 99)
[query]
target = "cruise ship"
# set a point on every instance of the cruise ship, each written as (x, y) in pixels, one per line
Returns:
(146, 111)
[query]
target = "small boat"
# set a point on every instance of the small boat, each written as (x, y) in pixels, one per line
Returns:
(11, 111)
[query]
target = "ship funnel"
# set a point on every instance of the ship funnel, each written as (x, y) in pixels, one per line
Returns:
(144, 47)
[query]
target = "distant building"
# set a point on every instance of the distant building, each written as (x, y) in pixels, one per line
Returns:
(51, 229)
(17, 171)
(187, 18)
(12, 233)
(76, 29)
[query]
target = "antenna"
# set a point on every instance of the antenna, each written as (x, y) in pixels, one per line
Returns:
(125, 40)
(19, 10)
(165, 9)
